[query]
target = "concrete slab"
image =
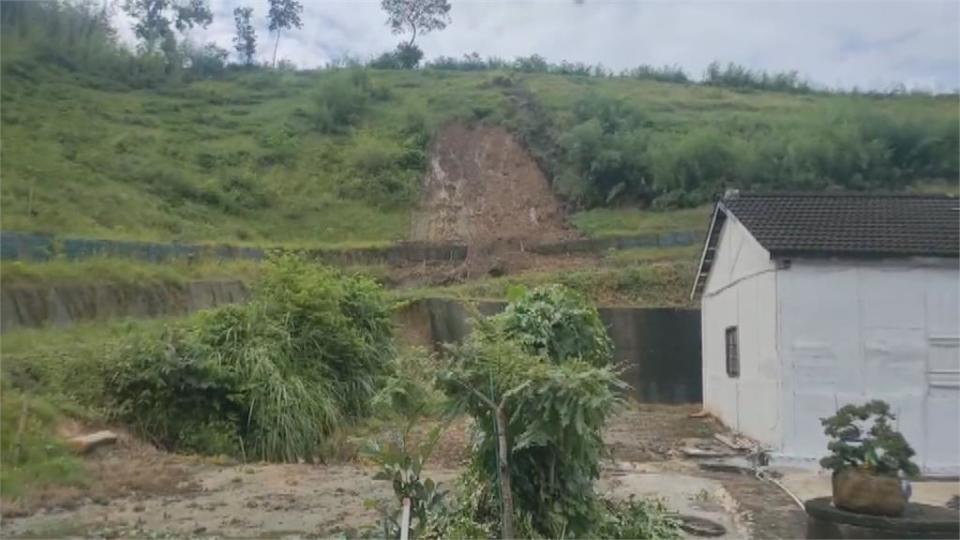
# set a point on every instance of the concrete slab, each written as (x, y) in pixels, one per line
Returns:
(807, 484)
(686, 494)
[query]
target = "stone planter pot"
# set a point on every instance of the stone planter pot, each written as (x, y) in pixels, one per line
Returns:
(856, 490)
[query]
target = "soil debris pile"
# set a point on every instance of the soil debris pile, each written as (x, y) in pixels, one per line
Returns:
(483, 188)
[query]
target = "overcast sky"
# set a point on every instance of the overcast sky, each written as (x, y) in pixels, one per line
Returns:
(869, 44)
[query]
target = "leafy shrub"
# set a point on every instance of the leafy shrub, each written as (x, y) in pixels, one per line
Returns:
(558, 323)
(280, 146)
(402, 464)
(674, 73)
(33, 458)
(737, 76)
(409, 388)
(341, 102)
(556, 414)
(408, 55)
(175, 189)
(205, 62)
(879, 448)
(384, 175)
(244, 193)
(698, 159)
(531, 64)
(634, 518)
(556, 406)
(169, 392)
(268, 379)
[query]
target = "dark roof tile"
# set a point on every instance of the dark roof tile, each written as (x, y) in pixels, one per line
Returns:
(841, 225)
(828, 224)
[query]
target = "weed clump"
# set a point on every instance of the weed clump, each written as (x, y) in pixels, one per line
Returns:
(264, 380)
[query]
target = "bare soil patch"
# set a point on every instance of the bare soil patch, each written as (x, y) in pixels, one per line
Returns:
(483, 186)
(130, 468)
(139, 491)
(650, 432)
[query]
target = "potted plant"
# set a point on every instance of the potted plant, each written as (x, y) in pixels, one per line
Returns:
(868, 458)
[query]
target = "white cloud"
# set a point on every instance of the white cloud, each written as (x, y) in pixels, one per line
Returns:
(870, 44)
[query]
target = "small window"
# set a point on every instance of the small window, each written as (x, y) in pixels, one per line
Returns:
(733, 352)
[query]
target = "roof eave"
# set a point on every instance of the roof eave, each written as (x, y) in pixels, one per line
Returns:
(785, 253)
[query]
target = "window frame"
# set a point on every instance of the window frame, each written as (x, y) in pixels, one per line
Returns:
(731, 351)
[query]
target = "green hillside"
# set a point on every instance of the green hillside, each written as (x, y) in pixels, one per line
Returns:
(92, 146)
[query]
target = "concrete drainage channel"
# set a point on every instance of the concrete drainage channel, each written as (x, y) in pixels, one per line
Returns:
(658, 347)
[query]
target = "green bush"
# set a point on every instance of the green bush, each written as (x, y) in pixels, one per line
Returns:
(863, 437)
(385, 175)
(558, 323)
(268, 379)
(342, 101)
(634, 518)
(556, 405)
(34, 458)
(409, 389)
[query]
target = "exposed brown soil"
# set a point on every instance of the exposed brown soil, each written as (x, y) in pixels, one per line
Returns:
(136, 490)
(130, 468)
(650, 432)
(482, 186)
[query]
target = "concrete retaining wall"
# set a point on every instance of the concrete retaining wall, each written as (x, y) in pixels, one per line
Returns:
(659, 347)
(64, 305)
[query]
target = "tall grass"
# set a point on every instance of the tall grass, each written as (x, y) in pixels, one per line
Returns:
(267, 380)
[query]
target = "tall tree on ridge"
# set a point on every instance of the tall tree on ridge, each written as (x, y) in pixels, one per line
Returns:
(416, 16)
(245, 42)
(154, 17)
(284, 14)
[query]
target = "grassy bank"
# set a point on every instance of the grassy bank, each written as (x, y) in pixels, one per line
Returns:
(121, 271)
(652, 277)
(337, 156)
(606, 222)
(51, 378)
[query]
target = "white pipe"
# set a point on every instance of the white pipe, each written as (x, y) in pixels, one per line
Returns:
(405, 520)
(761, 475)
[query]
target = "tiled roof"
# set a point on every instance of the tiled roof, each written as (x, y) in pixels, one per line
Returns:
(841, 225)
(850, 224)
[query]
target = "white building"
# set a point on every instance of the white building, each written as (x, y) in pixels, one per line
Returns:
(813, 301)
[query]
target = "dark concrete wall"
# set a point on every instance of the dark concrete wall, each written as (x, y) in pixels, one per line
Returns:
(67, 304)
(659, 348)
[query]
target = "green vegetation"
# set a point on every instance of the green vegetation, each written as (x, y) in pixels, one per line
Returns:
(540, 400)
(557, 323)
(606, 222)
(52, 376)
(642, 277)
(107, 143)
(33, 458)
(67, 366)
(880, 449)
(268, 379)
(122, 271)
(670, 145)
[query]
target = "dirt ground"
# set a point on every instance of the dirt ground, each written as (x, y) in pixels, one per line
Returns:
(483, 189)
(483, 186)
(494, 261)
(138, 491)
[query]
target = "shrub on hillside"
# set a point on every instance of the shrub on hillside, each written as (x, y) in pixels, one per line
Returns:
(340, 104)
(268, 379)
(382, 174)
